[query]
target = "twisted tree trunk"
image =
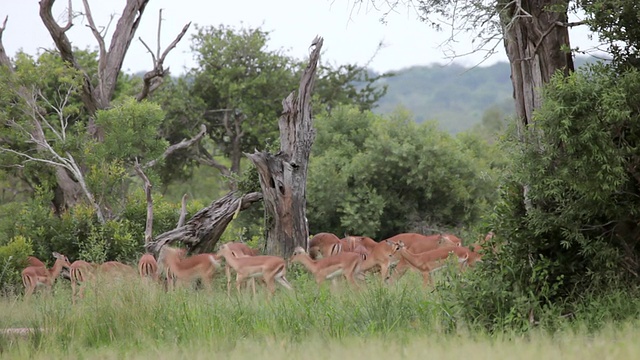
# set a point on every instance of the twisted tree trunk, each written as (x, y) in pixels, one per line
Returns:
(201, 233)
(283, 176)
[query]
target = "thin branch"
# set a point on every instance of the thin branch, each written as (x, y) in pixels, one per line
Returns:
(96, 33)
(183, 211)
(148, 228)
(153, 78)
(209, 160)
(159, 32)
(153, 57)
(181, 145)
(572, 24)
(4, 59)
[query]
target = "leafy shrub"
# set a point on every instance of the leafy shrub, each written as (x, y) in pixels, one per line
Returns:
(13, 258)
(575, 234)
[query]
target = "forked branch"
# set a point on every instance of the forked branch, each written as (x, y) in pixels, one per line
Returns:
(181, 145)
(153, 78)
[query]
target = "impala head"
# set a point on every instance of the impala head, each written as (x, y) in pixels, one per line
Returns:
(298, 252)
(61, 258)
(394, 246)
(446, 240)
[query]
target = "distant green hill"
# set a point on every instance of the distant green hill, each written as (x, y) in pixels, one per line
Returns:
(455, 96)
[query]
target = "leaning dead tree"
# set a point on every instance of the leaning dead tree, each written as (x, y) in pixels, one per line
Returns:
(202, 232)
(283, 176)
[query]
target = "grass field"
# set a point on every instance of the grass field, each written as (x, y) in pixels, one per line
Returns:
(138, 320)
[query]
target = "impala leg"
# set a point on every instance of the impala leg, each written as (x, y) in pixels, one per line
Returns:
(426, 279)
(253, 286)
(73, 292)
(227, 272)
(400, 270)
(239, 279)
(384, 273)
(29, 290)
(271, 286)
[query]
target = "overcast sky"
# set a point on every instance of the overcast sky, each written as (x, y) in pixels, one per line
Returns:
(350, 37)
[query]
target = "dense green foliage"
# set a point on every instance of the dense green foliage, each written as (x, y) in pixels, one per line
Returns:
(379, 176)
(616, 23)
(579, 234)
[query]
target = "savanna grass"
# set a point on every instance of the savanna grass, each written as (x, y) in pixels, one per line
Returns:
(133, 314)
(137, 319)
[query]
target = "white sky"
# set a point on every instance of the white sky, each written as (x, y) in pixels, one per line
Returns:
(349, 37)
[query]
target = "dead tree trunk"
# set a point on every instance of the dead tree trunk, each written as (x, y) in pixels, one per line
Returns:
(283, 176)
(201, 233)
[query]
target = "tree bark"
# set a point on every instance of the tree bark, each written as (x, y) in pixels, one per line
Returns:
(283, 176)
(536, 40)
(201, 233)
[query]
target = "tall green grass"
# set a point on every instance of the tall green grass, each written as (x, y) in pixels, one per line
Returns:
(137, 319)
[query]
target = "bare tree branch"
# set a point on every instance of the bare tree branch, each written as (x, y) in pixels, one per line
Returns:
(183, 211)
(148, 228)
(181, 145)
(153, 78)
(102, 60)
(4, 59)
(49, 156)
(207, 159)
(63, 44)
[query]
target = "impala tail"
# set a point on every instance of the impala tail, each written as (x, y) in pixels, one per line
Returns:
(281, 279)
(336, 249)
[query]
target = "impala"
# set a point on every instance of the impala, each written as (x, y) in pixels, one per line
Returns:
(350, 243)
(80, 272)
(418, 243)
(34, 261)
(345, 263)
(186, 270)
(324, 245)
(271, 268)
(32, 276)
(148, 267)
(115, 268)
(382, 256)
(429, 261)
(238, 249)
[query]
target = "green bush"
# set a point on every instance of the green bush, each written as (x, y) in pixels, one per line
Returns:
(78, 234)
(577, 236)
(13, 259)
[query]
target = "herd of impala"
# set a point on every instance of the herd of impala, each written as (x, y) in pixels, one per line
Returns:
(329, 257)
